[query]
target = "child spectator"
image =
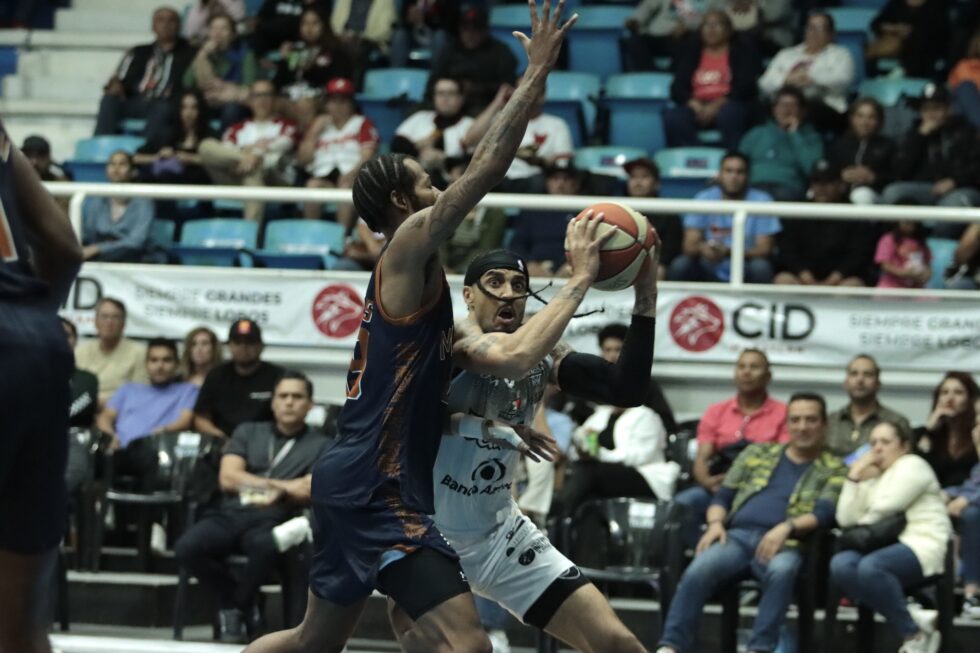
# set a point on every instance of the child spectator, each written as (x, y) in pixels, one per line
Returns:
(904, 257)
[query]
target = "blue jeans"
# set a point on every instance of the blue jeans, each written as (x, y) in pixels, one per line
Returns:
(966, 97)
(696, 500)
(689, 268)
(721, 565)
(878, 579)
(970, 544)
(732, 121)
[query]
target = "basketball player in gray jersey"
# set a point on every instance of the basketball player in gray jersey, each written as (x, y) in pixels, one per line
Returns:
(509, 362)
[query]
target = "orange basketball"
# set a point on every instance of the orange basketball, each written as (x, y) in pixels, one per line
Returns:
(625, 255)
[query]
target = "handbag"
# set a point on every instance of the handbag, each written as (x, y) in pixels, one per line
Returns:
(721, 461)
(866, 538)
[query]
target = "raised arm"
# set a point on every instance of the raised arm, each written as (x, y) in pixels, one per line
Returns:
(420, 236)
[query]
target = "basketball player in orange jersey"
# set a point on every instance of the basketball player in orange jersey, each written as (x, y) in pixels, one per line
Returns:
(372, 488)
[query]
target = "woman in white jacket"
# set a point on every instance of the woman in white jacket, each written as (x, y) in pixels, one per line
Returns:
(885, 481)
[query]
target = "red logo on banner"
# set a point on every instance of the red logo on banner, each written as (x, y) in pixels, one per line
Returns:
(337, 311)
(696, 324)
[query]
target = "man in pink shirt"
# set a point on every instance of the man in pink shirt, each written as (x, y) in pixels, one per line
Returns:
(725, 429)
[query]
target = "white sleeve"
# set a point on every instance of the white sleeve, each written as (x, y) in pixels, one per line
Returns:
(637, 439)
(412, 126)
(559, 141)
(775, 76)
(910, 478)
(852, 504)
(837, 70)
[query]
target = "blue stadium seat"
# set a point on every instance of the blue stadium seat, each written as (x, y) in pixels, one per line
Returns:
(216, 241)
(252, 7)
(99, 148)
(572, 96)
(867, 4)
(395, 82)
(890, 91)
(8, 61)
(504, 19)
(634, 102)
(607, 159)
(942, 250)
(686, 170)
(853, 24)
(300, 244)
(162, 233)
(593, 45)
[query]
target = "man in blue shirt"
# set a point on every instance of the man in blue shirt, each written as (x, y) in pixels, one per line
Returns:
(706, 251)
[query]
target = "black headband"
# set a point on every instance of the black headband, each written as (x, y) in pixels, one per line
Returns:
(497, 259)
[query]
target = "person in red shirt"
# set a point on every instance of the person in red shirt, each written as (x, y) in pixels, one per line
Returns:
(728, 427)
(714, 84)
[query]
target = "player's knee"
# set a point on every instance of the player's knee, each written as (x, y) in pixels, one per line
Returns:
(478, 643)
(617, 640)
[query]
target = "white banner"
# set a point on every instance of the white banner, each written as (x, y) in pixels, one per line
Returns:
(306, 309)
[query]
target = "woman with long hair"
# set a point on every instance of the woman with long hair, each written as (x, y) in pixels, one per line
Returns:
(946, 442)
(201, 353)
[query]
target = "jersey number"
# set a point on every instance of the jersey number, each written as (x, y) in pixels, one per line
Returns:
(357, 365)
(8, 253)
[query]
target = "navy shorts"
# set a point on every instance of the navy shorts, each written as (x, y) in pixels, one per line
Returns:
(36, 365)
(351, 544)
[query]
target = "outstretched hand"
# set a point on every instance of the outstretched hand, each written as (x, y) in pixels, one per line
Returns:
(546, 35)
(537, 446)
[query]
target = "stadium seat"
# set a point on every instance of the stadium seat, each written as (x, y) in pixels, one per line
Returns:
(216, 241)
(686, 170)
(572, 96)
(607, 160)
(634, 102)
(942, 250)
(852, 24)
(504, 19)
(389, 94)
(867, 4)
(889, 91)
(593, 46)
(91, 155)
(300, 244)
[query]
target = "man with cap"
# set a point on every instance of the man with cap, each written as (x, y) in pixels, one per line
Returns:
(643, 181)
(38, 152)
(938, 161)
(482, 62)
(812, 251)
(253, 152)
(539, 235)
(239, 390)
(335, 146)
(504, 555)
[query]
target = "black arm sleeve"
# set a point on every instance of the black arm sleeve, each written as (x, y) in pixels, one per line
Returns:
(624, 384)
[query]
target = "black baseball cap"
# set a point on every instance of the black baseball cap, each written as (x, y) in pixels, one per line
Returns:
(562, 164)
(244, 330)
(933, 93)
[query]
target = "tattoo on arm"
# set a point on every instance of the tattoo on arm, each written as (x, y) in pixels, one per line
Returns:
(645, 303)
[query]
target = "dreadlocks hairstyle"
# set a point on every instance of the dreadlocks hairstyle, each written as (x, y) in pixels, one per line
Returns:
(373, 186)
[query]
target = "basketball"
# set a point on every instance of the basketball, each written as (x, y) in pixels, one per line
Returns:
(625, 255)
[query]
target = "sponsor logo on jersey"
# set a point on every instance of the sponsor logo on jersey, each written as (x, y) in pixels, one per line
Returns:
(472, 490)
(537, 546)
(490, 471)
(571, 573)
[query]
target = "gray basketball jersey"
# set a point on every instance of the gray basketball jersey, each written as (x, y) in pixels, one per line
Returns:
(473, 478)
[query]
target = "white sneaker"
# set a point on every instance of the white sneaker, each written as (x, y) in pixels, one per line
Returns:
(499, 640)
(924, 619)
(158, 539)
(291, 533)
(922, 643)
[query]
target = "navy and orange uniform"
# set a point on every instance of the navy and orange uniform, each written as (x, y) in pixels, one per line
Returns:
(372, 487)
(36, 365)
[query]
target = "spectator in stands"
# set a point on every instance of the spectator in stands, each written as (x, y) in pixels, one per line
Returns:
(821, 69)
(38, 152)
(539, 235)
(820, 252)
(163, 404)
(201, 354)
(656, 29)
(964, 81)
(643, 181)
(965, 271)
(364, 27)
(148, 80)
(424, 24)
(784, 149)
(714, 84)
(706, 249)
(939, 160)
(914, 32)
(307, 64)
(116, 229)
(265, 476)
(175, 160)
(481, 230)
(432, 135)
(770, 23)
(84, 387)
(886, 481)
(277, 22)
(546, 140)
(964, 505)
(725, 429)
(336, 145)
(115, 360)
(199, 13)
(862, 154)
(903, 256)
(774, 496)
(946, 443)
(255, 152)
(849, 427)
(482, 62)
(223, 70)
(237, 391)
